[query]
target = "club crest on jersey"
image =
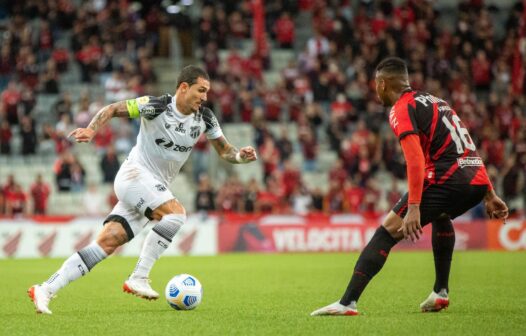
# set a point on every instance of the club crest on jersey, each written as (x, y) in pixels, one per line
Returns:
(160, 187)
(195, 131)
(180, 128)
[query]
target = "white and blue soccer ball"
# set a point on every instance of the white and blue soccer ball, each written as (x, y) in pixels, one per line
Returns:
(183, 292)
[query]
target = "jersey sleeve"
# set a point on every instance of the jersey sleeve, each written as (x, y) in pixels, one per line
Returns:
(148, 107)
(212, 130)
(402, 119)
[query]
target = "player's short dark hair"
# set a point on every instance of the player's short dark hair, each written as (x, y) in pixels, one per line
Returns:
(189, 75)
(392, 66)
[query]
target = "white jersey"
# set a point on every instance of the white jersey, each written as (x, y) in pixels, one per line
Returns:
(167, 136)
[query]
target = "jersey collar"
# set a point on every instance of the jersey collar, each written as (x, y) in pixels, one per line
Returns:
(177, 113)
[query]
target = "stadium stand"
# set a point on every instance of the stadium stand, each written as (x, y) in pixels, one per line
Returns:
(318, 90)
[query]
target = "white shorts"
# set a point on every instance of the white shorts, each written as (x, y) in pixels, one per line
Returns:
(139, 193)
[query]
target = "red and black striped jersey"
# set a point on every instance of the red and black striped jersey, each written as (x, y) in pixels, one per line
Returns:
(450, 154)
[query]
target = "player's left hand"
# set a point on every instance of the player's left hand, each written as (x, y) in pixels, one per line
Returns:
(411, 227)
(495, 207)
(248, 154)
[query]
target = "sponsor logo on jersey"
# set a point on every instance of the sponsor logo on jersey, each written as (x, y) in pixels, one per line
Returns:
(167, 125)
(195, 131)
(148, 111)
(469, 162)
(180, 128)
(444, 108)
(140, 203)
(160, 187)
(183, 149)
(425, 99)
(168, 144)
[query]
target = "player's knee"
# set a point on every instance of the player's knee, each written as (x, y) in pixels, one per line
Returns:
(392, 224)
(112, 236)
(169, 208)
(442, 220)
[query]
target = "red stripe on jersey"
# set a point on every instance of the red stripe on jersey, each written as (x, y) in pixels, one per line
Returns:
(481, 178)
(430, 167)
(443, 148)
(433, 125)
(452, 169)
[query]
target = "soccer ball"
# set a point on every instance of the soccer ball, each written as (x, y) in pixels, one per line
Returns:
(183, 292)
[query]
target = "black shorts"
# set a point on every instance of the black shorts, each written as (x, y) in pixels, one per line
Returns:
(438, 199)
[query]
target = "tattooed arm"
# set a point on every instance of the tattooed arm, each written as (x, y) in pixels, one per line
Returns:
(118, 109)
(232, 154)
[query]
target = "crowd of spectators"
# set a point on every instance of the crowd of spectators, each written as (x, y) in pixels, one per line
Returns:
(326, 89)
(15, 202)
(112, 43)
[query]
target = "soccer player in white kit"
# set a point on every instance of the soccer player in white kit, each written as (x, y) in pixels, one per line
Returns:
(170, 126)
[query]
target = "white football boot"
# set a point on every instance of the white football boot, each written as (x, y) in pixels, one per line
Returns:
(337, 309)
(435, 302)
(140, 287)
(41, 298)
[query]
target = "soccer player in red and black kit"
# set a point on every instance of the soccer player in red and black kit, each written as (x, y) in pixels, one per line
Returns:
(446, 177)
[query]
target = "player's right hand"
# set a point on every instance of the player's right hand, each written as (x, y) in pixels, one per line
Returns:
(411, 227)
(82, 134)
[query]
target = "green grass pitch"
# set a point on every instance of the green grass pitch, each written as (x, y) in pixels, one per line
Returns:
(247, 294)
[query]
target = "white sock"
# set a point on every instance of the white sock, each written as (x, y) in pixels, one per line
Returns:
(156, 242)
(79, 264)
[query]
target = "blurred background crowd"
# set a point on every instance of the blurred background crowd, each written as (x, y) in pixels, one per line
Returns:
(293, 78)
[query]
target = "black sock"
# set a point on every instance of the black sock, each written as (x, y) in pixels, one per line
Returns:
(443, 240)
(369, 263)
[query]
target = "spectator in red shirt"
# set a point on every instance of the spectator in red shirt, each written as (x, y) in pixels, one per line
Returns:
(371, 199)
(268, 200)
(11, 97)
(481, 71)
(334, 200)
(338, 172)
(9, 185)
(5, 137)
(226, 100)
(354, 195)
(285, 31)
(269, 156)
(274, 100)
(40, 193)
(341, 108)
(494, 147)
(235, 63)
(291, 178)
(15, 201)
(104, 138)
